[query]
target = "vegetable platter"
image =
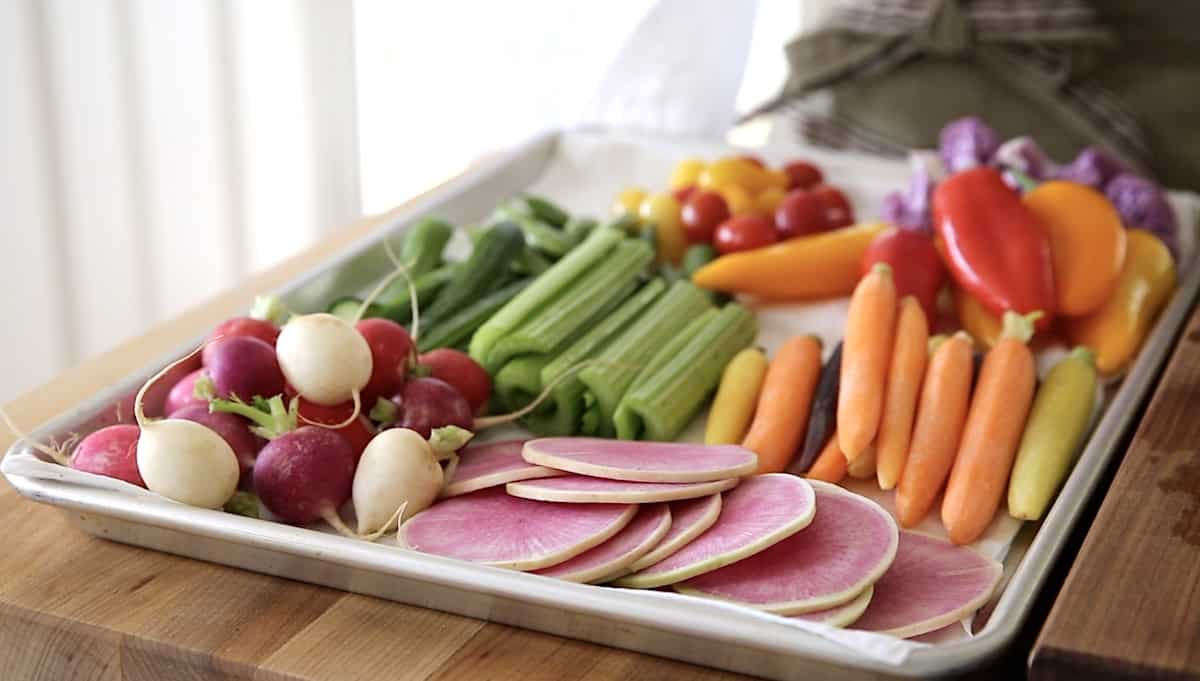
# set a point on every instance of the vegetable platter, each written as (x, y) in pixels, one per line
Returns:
(584, 171)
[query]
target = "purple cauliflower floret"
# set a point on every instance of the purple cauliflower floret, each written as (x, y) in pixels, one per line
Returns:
(966, 143)
(1023, 155)
(910, 209)
(1142, 204)
(1094, 167)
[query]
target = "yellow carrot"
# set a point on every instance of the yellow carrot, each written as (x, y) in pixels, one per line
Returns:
(909, 357)
(866, 352)
(863, 468)
(733, 407)
(941, 413)
(830, 465)
(783, 404)
(999, 408)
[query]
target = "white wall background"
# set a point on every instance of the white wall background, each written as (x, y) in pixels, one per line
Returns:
(154, 152)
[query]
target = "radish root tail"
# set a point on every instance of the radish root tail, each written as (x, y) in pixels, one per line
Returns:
(58, 453)
(139, 413)
(330, 515)
(448, 474)
(334, 426)
(491, 421)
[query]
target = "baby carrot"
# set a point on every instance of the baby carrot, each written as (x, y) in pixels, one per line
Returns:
(830, 465)
(783, 403)
(863, 468)
(994, 425)
(866, 353)
(733, 407)
(941, 412)
(909, 357)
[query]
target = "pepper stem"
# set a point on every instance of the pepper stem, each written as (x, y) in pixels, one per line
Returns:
(1084, 354)
(1020, 326)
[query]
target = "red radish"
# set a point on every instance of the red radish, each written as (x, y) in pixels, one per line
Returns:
(183, 393)
(931, 584)
(493, 528)
(241, 326)
(242, 366)
(391, 348)
(427, 403)
(840, 615)
(847, 548)
(110, 451)
(400, 470)
(581, 489)
(800, 214)
(358, 431)
(492, 464)
(689, 519)
(181, 459)
(613, 556)
(759, 513)
(802, 174)
(234, 429)
(461, 371)
(305, 475)
(641, 461)
(324, 358)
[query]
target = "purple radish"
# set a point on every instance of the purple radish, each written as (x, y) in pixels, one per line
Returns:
(183, 394)
(614, 556)
(233, 429)
(840, 615)
(110, 451)
(427, 403)
(581, 489)
(641, 461)
(492, 464)
(245, 367)
(689, 519)
(305, 475)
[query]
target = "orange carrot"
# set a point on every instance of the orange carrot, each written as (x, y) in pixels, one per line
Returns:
(994, 425)
(941, 413)
(866, 353)
(863, 468)
(909, 357)
(830, 465)
(783, 403)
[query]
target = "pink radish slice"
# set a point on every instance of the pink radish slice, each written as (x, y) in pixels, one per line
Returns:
(613, 556)
(689, 518)
(931, 584)
(840, 615)
(641, 461)
(759, 513)
(493, 528)
(581, 489)
(847, 548)
(492, 464)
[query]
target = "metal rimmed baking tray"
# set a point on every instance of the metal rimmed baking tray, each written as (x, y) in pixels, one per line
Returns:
(694, 630)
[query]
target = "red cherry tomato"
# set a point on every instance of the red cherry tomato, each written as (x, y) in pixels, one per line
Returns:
(461, 372)
(684, 193)
(390, 347)
(832, 199)
(743, 233)
(800, 214)
(358, 432)
(702, 214)
(802, 174)
(753, 159)
(917, 269)
(241, 326)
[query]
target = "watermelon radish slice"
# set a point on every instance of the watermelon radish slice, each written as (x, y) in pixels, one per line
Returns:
(689, 519)
(931, 584)
(494, 528)
(641, 461)
(614, 556)
(759, 513)
(492, 464)
(581, 489)
(847, 548)
(840, 615)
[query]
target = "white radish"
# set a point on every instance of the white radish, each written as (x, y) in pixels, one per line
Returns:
(183, 460)
(399, 468)
(324, 358)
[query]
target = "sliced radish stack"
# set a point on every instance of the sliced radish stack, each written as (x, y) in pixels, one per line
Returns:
(494, 528)
(689, 519)
(492, 464)
(759, 513)
(581, 489)
(641, 461)
(847, 548)
(840, 615)
(932, 583)
(614, 556)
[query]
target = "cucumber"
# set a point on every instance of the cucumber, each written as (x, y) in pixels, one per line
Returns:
(544, 210)
(423, 245)
(577, 229)
(456, 329)
(480, 273)
(538, 234)
(347, 308)
(396, 303)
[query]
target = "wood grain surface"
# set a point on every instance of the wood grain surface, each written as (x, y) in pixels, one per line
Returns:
(1130, 607)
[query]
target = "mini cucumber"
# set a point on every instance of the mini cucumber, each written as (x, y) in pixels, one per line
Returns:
(545, 210)
(423, 245)
(346, 308)
(481, 272)
(396, 302)
(457, 328)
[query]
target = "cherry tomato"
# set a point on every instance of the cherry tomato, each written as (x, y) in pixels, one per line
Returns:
(662, 211)
(702, 213)
(799, 213)
(832, 198)
(802, 174)
(779, 179)
(917, 268)
(728, 172)
(751, 158)
(628, 201)
(743, 233)
(461, 372)
(837, 219)
(686, 173)
(390, 347)
(739, 201)
(682, 194)
(769, 199)
(358, 432)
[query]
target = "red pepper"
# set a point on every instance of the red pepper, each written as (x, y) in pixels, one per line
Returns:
(916, 266)
(994, 247)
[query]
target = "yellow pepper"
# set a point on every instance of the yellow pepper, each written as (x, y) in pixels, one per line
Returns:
(662, 211)
(778, 179)
(975, 319)
(686, 173)
(628, 201)
(732, 171)
(1116, 330)
(823, 265)
(733, 407)
(1087, 243)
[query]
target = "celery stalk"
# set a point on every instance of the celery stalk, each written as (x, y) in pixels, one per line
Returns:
(519, 381)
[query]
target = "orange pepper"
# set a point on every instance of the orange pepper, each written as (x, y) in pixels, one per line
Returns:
(823, 265)
(983, 326)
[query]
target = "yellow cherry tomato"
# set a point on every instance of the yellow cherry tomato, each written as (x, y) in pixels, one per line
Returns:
(739, 201)
(770, 198)
(662, 211)
(629, 201)
(686, 173)
(729, 172)
(777, 178)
